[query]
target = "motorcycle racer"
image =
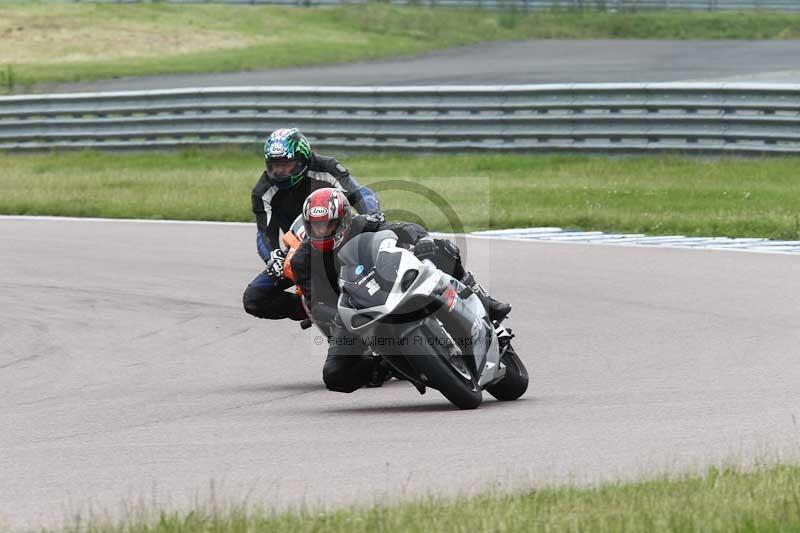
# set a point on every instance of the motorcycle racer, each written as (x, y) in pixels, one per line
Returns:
(329, 223)
(292, 172)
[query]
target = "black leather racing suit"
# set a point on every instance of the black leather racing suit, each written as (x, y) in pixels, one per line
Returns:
(317, 274)
(275, 209)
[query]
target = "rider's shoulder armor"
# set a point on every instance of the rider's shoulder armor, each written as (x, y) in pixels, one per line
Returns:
(320, 163)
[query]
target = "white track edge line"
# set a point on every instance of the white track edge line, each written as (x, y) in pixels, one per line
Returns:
(481, 235)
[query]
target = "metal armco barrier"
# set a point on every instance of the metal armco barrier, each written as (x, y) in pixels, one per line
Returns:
(688, 117)
(615, 5)
(610, 5)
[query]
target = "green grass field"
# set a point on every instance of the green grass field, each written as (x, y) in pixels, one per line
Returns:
(41, 42)
(721, 500)
(655, 194)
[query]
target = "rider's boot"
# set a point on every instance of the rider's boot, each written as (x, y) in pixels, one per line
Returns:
(298, 315)
(497, 310)
(381, 373)
(289, 306)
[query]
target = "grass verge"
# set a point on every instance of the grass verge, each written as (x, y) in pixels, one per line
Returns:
(61, 42)
(722, 500)
(655, 194)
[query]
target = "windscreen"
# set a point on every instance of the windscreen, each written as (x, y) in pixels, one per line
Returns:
(369, 269)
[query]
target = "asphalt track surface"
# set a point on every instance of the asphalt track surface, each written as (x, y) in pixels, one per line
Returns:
(129, 373)
(517, 62)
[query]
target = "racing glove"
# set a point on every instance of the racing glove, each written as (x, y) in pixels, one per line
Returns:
(425, 248)
(275, 263)
(374, 221)
(375, 218)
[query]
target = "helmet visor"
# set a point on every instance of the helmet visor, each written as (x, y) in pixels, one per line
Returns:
(324, 229)
(283, 169)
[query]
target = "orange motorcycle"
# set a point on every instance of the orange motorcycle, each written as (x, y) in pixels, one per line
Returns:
(290, 242)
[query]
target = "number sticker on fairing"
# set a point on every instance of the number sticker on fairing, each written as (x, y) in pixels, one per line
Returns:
(372, 287)
(387, 244)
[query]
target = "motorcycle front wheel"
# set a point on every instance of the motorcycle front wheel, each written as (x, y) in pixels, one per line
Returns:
(515, 382)
(443, 371)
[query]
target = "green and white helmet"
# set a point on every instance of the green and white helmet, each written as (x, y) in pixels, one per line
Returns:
(286, 153)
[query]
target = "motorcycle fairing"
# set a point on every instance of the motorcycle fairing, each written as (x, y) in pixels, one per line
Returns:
(381, 261)
(361, 311)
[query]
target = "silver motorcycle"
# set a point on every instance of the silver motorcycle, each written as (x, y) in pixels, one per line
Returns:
(428, 326)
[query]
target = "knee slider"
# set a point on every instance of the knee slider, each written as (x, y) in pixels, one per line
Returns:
(338, 381)
(249, 302)
(257, 307)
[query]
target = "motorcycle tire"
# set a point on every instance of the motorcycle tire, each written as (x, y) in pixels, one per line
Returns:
(515, 382)
(462, 392)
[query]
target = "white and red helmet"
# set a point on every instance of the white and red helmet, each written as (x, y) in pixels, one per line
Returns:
(327, 217)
